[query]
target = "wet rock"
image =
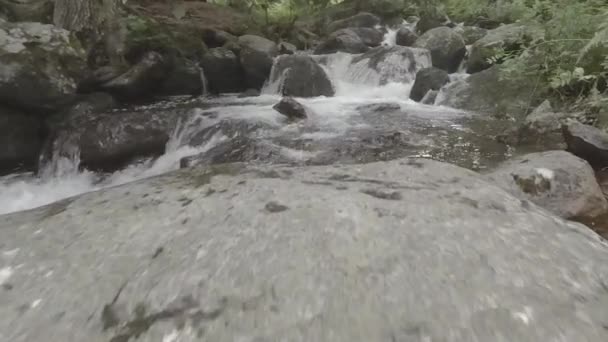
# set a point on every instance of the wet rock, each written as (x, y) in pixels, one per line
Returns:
(471, 34)
(556, 180)
(465, 241)
(487, 93)
(108, 141)
(184, 77)
(395, 63)
(447, 47)
(217, 38)
(363, 19)
(406, 37)
(223, 71)
(249, 93)
(587, 142)
(542, 126)
(238, 149)
(256, 56)
(40, 66)
(229, 128)
(300, 76)
(20, 141)
(291, 108)
(286, 48)
(430, 97)
(40, 11)
(369, 36)
(345, 40)
(379, 108)
(428, 79)
(506, 38)
(432, 20)
(141, 81)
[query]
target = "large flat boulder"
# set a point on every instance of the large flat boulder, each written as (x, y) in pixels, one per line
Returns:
(404, 250)
(300, 76)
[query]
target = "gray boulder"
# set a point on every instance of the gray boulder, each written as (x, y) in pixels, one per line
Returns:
(406, 37)
(300, 76)
(471, 34)
(291, 109)
(345, 40)
(40, 66)
(363, 19)
(214, 38)
(447, 47)
(20, 141)
(408, 250)
(506, 38)
(141, 80)
(256, 56)
(286, 48)
(395, 63)
(369, 36)
(428, 79)
(184, 77)
(223, 71)
(543, 125)
(587, 142)
(556, 180)
(487, 93)
(431, 20)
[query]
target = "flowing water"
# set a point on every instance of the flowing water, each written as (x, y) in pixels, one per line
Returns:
(370, 118)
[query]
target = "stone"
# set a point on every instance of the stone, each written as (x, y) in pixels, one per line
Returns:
(20, 141)
(543, 125)
(447, 47)
(587, 142)
(249, 93)
(291, 109)
(363, 19)
(555, 180)
(345, 40)
(432, 20)
(286, 48)
(428, 79)
(487, 93)
(406, 37)
(214, 38)
(406, 250)
(300, 76)
(223, 71)
(256, 56)
(505, 38)
(184, 77)
(471, 34)
(369, 36)
(40, 11)
(394, 63)
(229, 128)
(40, 66)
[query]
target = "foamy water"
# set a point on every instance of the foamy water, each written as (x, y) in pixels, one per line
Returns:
(355, 84)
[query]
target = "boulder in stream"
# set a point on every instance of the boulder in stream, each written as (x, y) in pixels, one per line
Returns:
(40, 66)
(410, 249)
(300, 76)
(184, 77)
(447, 47)
(223, 71)
(291, 109)
(286, 48)
(406, 37)
(428, 79)
(471, 34)
(555, 180)
(587, 142)
(256, 56)
(392, 63)
(344, 40)
(20, 140)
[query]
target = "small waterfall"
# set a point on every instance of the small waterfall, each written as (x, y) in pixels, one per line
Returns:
(61, 158)
(204, 82)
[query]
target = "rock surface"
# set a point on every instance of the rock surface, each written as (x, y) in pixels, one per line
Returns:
(394, 64)
(291, 108)
(40, 66)
(587, 142)
(223, 71)
(406, 37)
(20, 140)
(256, 56)
(184, 77)
(556, 180)
(403, 250)
(471, 34)
(428, 79)
(300, 76)
(40, 11)
(447, 47)
(345, 40)
(363, 19)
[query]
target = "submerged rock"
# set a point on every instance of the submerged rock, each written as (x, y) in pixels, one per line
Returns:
(428, 79)
(587, 142)
(256, 56)
(390, 250)
(300, 76)
(40, 66)
(447, 47)
(223, 71)
(363, 19)
(556, 180)
(20, 141)
(291, 108)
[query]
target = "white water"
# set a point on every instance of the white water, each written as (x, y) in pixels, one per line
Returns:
(355, 84)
